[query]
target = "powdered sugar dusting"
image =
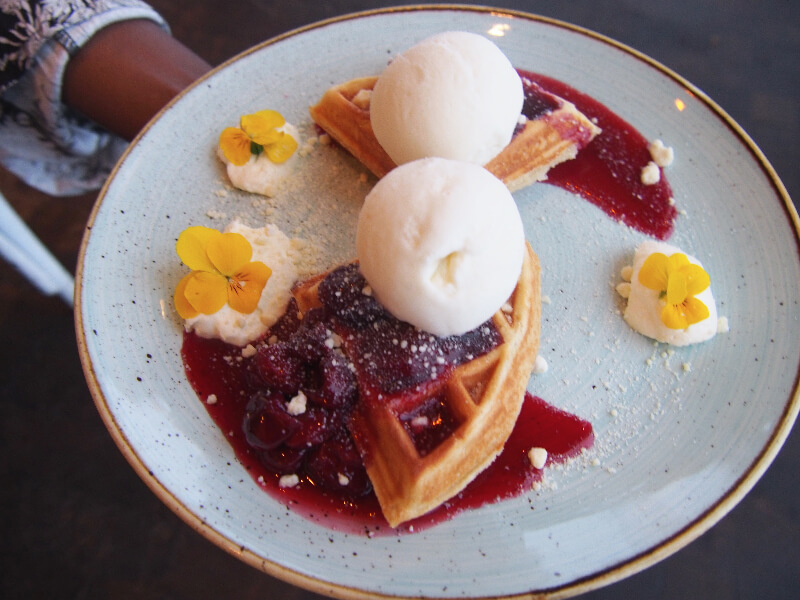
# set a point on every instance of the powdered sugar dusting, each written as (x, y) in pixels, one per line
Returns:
(325, 182)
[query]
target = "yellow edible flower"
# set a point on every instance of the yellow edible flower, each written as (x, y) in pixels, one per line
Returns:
(221, 273)
(679, 281)
(257, 133)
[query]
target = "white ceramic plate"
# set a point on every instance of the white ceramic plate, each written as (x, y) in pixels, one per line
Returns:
(679, 440)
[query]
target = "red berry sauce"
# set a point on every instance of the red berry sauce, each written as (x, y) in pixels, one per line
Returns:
(252, 394)
(607, 172)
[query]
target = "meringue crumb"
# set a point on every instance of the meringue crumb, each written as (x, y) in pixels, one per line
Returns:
(538, 457)
(540, 365)
(288, 481)
(343, 479)
(249, 351)
(626, 273)
(211, 399)
(651, 174)
(297, 405)
(662, 155)
(624, 289)
(722, 325)
(362, 99)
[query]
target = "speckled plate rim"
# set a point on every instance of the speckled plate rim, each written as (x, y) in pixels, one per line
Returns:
(615, 573)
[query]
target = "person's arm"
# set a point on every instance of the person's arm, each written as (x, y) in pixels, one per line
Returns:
(126, 73)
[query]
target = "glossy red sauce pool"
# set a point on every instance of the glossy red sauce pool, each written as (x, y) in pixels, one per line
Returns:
(607, 172)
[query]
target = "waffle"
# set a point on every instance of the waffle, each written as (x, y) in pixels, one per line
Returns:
(483, 395)
(542, 142)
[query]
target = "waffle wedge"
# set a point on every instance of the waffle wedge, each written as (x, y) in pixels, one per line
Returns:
(554, 133)
(481, 396)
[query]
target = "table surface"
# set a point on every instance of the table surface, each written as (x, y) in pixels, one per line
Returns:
(78, 523)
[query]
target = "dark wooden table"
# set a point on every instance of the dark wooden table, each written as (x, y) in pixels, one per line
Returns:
(78, 523)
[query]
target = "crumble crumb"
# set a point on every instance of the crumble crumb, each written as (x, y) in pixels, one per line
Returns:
(651, 174)
(362, 99)
(538, 457)
(288, 481)
(297, 405)
(662, 155)
(722, 325)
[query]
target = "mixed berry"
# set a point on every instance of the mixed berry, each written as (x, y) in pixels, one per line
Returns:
(297, 419)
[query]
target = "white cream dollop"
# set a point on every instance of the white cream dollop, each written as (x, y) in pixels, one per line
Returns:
(272, 247)
(453, 95)
(260, 175)
(441, 244)
(643, 312)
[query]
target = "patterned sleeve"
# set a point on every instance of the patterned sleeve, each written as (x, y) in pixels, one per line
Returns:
(41, 140)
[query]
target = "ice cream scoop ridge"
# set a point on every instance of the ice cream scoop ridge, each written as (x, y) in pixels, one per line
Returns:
(454, 95)
(441, 244)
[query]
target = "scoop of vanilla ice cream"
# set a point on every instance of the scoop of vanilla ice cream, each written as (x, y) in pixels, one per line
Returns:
(643, 312)
(441, 244)
(453, 95)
